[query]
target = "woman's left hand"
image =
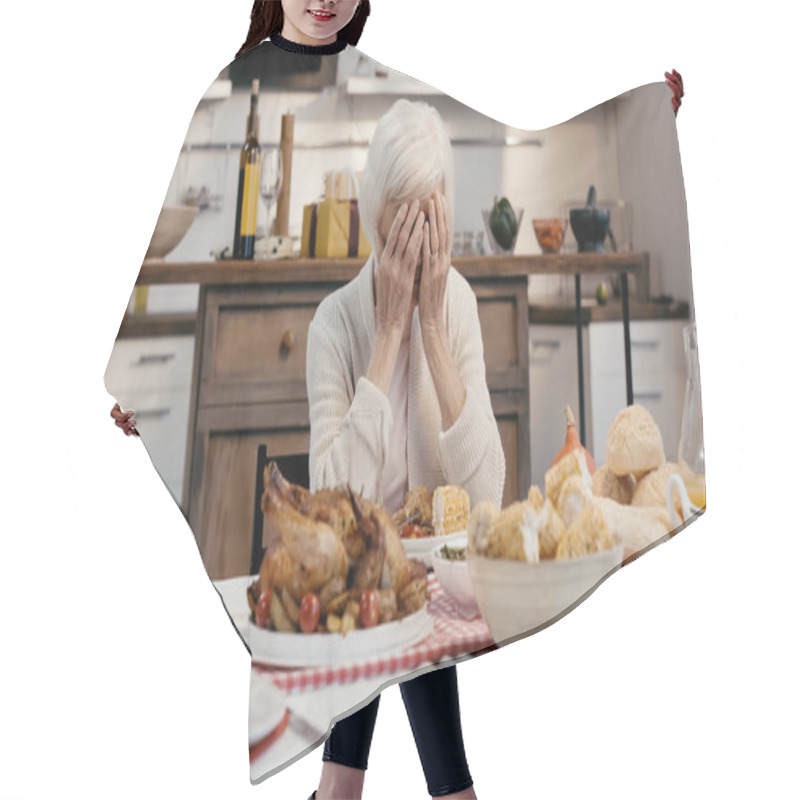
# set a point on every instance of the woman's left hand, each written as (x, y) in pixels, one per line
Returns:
(435, 265)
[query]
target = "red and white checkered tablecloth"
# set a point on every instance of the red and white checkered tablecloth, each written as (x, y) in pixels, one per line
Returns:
(453, 635)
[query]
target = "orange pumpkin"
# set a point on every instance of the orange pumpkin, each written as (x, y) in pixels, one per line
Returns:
(573, 442)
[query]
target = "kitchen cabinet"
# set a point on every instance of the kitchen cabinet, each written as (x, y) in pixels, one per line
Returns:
(659, 379)
(152, 376)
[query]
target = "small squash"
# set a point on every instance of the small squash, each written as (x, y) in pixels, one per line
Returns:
(573, 442)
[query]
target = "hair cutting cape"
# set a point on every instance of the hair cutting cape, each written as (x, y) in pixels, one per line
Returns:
(335, 596)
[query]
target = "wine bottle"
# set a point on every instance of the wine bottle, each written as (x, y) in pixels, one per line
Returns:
(244, 235)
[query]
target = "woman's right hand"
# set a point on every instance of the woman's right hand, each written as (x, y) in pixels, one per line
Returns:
(397, 266)
(124, 420)
(675, 82)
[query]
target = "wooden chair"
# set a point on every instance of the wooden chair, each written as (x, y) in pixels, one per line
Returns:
(295, 469)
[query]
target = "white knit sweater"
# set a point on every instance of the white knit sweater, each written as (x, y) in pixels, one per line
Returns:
(351, 418)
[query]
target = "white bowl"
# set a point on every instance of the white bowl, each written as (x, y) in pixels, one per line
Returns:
(455, 579)
(422, 549)
(518, 599)
(172, 225)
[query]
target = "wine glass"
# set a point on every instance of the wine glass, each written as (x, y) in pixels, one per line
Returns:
(271, 179)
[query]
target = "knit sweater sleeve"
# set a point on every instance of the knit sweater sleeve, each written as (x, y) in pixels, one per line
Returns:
(350, 426)
(471, 451)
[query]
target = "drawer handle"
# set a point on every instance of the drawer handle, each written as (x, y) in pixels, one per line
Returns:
(552, 344)
(154, 358)
(151, 413)
(648, 395)
(287, 342)
(651, 343)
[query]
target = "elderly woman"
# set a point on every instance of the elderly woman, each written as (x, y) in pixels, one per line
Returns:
(398, 397)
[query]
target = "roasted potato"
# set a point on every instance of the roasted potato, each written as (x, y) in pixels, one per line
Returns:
(280, 619)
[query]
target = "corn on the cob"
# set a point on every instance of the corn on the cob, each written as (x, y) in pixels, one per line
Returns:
(551, 528)
(589, 533)
(480, 521)
(450, 510)
(535, 498)
(514, 534)
(574, 463)
(573, 498)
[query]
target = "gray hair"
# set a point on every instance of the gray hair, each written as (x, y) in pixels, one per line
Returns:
(410, 156)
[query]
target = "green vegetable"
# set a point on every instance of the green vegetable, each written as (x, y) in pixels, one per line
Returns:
(453, 553)
(503, 223)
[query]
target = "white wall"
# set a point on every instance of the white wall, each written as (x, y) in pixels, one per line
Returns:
(652, 180)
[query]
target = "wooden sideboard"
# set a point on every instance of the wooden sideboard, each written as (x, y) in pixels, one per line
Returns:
(249, 388)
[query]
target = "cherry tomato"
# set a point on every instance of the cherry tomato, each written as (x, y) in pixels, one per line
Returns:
(262, 608)
(370, 608)
(309, 612)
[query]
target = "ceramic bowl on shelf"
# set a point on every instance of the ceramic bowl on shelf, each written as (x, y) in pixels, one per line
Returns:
(173, 223)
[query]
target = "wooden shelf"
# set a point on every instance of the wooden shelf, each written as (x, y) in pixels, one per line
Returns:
(336, 270)
(144, 325)
(563, 314)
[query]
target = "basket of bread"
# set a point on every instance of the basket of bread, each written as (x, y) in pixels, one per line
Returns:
(533, 561)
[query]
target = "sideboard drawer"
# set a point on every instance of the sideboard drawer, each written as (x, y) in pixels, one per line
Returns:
(255, 350)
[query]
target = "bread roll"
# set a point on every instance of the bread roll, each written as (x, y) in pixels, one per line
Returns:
(634, 445)
(618, 487)
(651, 490)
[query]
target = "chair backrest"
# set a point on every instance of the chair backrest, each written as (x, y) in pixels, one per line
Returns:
(295, 469)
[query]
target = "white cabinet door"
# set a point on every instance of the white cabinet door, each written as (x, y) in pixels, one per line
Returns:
(152, 376)
(553, 384)
(658, 372)
(162, 419)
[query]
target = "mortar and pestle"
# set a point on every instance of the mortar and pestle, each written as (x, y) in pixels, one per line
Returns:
(590, 225)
